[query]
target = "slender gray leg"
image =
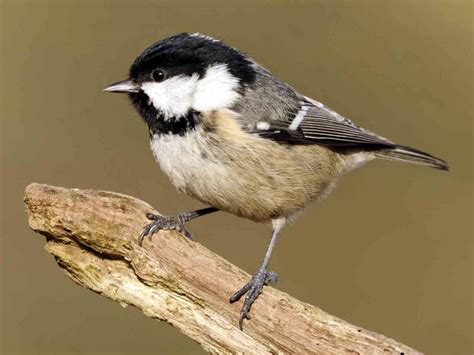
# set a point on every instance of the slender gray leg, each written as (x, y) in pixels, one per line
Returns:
(262, 277)
(172, 222)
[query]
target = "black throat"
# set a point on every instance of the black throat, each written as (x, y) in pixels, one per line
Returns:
(156, 121)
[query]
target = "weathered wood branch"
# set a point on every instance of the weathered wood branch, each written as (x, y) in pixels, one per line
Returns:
(92, 234)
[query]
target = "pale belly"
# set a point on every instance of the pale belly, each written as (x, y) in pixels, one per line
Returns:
(248, 176)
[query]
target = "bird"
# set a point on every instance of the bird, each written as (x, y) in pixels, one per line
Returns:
(229, 133)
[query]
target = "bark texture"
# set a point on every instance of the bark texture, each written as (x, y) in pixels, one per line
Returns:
(93, 236)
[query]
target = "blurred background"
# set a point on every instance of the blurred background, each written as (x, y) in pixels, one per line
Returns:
(391, 250)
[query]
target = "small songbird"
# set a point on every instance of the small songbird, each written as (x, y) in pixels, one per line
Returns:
(232, 135)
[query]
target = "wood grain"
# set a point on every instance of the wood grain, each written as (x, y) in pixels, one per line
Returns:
(93, 236)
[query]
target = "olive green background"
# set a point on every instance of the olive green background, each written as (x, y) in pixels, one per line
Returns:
(390, 250)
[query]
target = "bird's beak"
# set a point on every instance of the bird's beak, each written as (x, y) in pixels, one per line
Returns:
(123, 86)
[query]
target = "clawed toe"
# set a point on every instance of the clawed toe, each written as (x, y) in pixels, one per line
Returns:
(152, 216)
(149, 229)
(253, 289)
(174, 222)
(162, 223)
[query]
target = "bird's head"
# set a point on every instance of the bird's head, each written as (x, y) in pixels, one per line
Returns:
(185, 73)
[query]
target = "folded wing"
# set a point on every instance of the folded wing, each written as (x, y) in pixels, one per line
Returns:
(315, 123)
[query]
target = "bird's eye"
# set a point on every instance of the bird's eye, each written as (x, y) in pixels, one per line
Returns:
(158, 75)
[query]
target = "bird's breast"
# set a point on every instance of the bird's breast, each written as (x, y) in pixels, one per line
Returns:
(187, 161)
(243, 174)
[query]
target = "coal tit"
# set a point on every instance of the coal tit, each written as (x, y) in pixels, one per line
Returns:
(229, 133)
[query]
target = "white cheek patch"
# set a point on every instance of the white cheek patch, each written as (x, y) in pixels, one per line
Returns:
(216, 90)
(174, 96)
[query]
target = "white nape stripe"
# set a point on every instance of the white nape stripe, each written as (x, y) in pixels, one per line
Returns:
(298, 118)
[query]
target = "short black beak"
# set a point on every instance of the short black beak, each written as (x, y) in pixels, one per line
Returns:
(123, 86)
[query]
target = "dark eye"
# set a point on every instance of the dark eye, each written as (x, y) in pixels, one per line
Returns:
(158, 75)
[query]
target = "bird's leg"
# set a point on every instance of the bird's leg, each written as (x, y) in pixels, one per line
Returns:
(172, 222)
(262, 277)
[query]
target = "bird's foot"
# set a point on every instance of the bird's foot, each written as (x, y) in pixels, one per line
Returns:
(164, 223)
(253, 289)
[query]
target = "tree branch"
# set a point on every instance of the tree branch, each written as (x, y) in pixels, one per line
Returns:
(92, 234)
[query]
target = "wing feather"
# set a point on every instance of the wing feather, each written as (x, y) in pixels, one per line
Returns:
(315, 123)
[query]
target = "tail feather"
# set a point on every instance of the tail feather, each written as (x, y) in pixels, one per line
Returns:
(411, 155)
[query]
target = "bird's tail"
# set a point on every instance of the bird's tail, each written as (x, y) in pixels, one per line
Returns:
(411, 155)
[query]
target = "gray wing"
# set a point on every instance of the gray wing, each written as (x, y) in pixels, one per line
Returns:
(315, 123)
